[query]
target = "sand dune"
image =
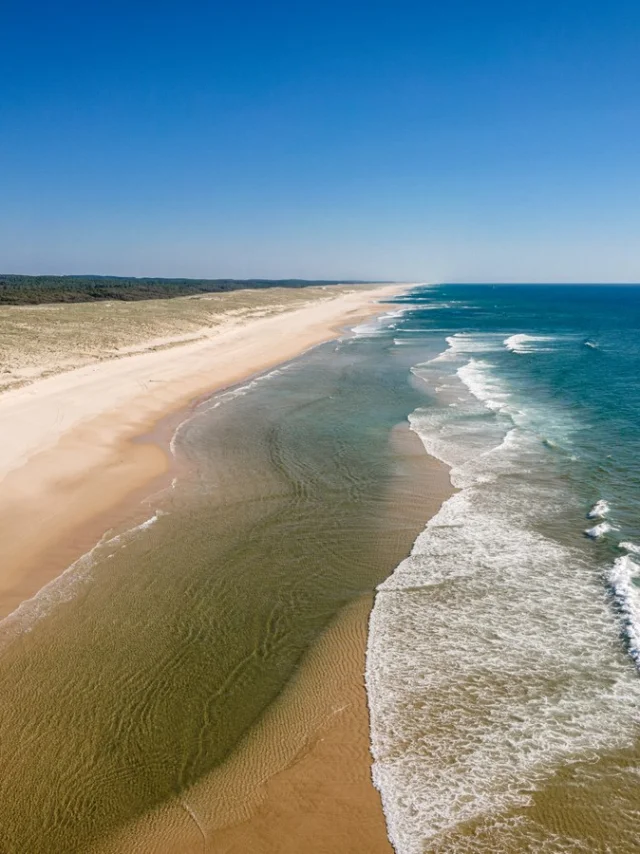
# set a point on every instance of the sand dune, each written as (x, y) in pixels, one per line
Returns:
(43, 340)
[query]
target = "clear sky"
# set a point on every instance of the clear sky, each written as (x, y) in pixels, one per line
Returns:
(457, 140)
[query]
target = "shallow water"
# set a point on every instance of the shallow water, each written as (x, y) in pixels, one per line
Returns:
(502, 654)
(136, 673)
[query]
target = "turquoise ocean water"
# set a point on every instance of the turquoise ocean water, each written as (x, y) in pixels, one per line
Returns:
(504, 652)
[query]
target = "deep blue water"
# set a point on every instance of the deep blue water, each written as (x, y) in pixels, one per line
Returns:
(581, 360)
(504, 652)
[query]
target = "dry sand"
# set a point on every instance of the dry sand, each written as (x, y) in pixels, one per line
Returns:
(70, 446)
(43, 340)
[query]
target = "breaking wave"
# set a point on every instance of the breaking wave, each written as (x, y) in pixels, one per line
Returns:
(493, 657)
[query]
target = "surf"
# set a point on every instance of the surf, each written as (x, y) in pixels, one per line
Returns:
(494, 657)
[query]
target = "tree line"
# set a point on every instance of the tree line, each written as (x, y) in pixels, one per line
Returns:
(32, 290)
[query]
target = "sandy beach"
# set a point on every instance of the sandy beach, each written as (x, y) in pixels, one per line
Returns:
(311, 791)
(71, 445)
(83, 447)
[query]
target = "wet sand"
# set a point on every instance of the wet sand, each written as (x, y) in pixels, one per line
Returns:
(301, 779)
(324, 801)
(310, 790)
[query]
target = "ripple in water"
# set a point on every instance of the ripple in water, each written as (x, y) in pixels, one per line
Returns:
(139, 670)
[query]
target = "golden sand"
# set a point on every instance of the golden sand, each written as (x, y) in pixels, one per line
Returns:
(301, 780)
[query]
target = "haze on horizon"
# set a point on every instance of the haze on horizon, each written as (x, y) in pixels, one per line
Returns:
(419, 141)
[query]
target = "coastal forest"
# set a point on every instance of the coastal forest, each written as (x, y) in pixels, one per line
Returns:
(32, 290)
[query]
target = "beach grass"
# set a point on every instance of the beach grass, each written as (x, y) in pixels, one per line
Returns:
(39, 341)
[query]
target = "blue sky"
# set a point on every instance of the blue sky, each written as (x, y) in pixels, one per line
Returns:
(457, 141)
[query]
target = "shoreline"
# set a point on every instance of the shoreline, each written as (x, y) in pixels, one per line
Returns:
(313, 791)
(329, 758)
(82, 446)
(325, 800)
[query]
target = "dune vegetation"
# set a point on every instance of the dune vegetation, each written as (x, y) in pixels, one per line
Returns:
(41, 340)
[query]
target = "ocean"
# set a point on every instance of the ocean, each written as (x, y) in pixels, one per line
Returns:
(504, 644)
(503, 654)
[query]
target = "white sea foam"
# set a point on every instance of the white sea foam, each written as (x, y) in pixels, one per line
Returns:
(477, 377)
(599, 510)
(368, 330)
(405, 342)
(552, 427)
(380, 324)
(487, 665)
(493, 657)
(64, 587)
(462, 344)
(624, 578)
(599, 530)
(523, 343)
(437, 306)
(630, 547)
